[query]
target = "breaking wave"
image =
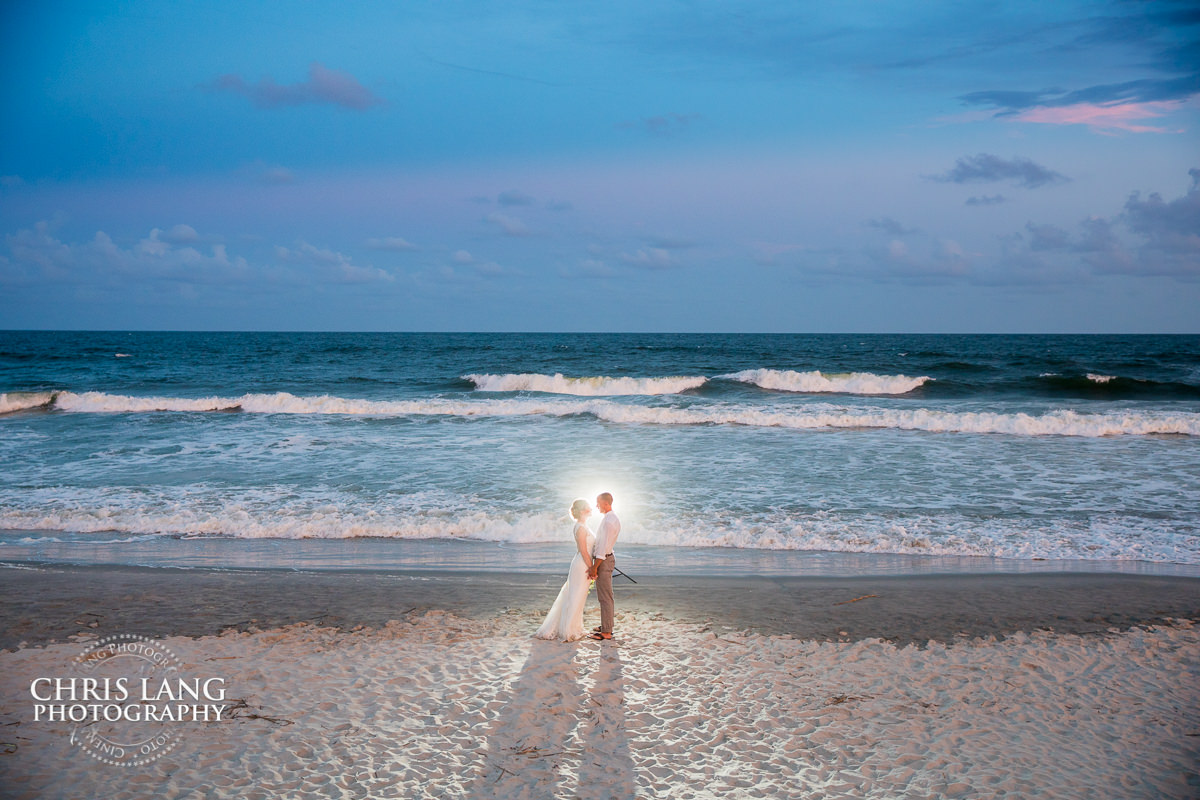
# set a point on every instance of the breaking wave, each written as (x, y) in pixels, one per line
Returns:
(831, 383)
(864, 383)
(20, 401)
(807, 417)
(285, 403)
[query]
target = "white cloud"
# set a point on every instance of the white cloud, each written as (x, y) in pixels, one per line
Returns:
(156, 257)
(334, 265)
(36, 248)
(180, 234)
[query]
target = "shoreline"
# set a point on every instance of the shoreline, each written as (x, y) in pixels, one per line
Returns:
(50, 603)
(380, 554)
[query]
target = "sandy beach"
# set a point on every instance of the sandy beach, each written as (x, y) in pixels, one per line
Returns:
(425, 684)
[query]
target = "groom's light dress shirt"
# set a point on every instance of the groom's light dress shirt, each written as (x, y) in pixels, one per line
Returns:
(606, 535)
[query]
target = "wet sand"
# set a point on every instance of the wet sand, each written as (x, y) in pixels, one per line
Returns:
(51, 603)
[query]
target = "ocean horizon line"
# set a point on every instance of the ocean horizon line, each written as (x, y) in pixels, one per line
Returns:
(321, 331)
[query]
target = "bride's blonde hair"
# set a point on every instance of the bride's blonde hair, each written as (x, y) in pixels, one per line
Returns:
(577, 508)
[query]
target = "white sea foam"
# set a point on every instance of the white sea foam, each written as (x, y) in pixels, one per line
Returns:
(1094, 378)
(949, 534)
(586, 387)
(19, 401)
(1054, 423)
(807, 417)
(320, 513)
(134, 517)
(285, 403)
(832, 383)
(102, 402)
(37, 540)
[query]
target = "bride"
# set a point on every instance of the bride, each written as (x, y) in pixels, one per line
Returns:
(565, 620)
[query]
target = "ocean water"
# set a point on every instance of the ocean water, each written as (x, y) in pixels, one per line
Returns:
(1063, 448)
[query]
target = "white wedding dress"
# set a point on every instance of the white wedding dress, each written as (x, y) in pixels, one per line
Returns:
(565, 620)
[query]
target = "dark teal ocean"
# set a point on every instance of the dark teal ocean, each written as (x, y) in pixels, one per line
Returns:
(1076, 448)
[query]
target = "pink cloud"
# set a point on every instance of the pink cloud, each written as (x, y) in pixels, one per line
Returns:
(1104, 117)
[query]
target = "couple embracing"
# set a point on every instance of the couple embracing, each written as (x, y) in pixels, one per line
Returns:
(593, 561)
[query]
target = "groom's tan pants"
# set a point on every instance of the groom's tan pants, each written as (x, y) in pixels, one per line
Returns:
(604, 593)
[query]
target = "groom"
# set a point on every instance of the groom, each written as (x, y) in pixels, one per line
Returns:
(603, 563)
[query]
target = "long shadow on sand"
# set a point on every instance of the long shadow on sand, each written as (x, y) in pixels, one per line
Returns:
(555, 737)
(532, 738)
(606, 769)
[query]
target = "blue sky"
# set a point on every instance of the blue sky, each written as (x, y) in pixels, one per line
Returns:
(724, 166)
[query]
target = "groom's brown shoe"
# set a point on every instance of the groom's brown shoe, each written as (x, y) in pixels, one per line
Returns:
(601, 636)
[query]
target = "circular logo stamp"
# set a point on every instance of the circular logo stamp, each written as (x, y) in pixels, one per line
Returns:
(126, 698)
